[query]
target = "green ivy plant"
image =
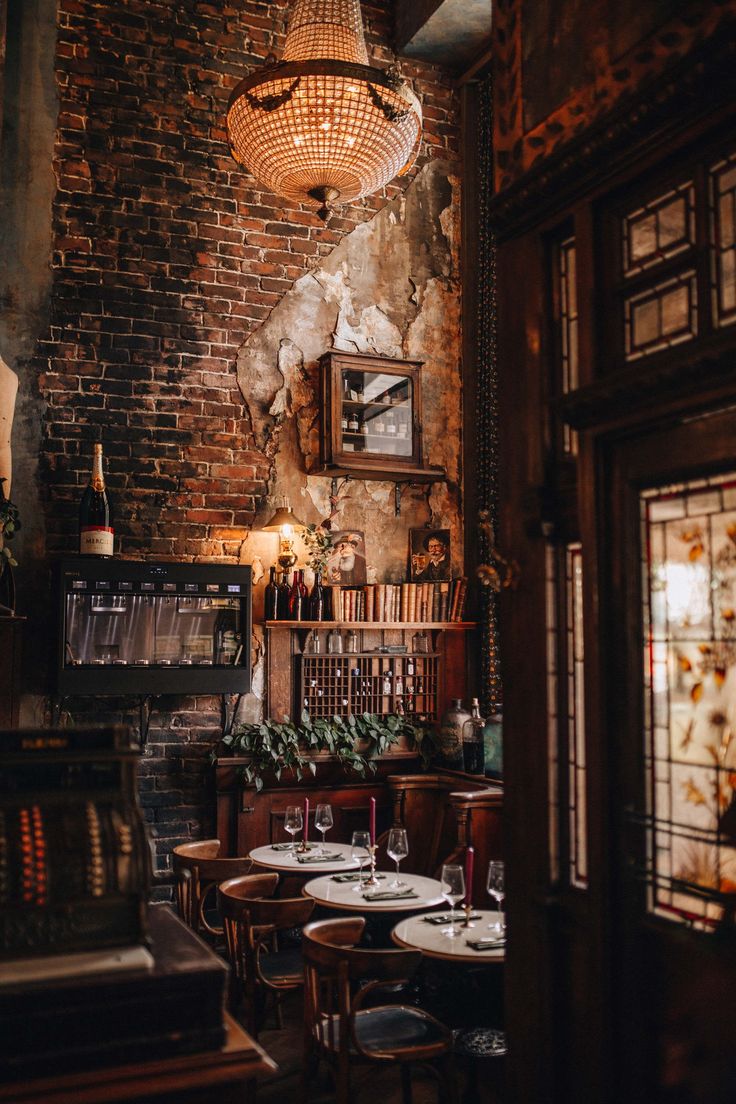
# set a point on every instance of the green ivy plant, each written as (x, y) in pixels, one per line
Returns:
(318, 541)
(275, 746)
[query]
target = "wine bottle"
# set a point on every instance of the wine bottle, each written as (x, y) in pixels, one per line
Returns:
(282, 600)
(298, 597)
(317, 599)
(96, 531)
(271, 597)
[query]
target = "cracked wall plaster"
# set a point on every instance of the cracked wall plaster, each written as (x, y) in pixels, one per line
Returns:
(389, 288)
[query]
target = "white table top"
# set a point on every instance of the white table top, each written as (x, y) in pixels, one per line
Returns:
(416, 933)
(340, 895)
(286, 861)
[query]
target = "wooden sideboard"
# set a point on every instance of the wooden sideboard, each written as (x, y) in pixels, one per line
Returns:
(444, 810)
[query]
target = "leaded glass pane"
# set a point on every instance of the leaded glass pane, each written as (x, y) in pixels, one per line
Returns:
(689, 642)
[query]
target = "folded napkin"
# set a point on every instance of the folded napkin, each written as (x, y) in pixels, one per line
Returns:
(289, 846)
(336, 856)
(351, 877)
(486, 944)
(389, 895)
(444, 917)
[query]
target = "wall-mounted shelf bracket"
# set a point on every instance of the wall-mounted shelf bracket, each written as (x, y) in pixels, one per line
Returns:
(337, 486)
(398, 492)
(229, 705)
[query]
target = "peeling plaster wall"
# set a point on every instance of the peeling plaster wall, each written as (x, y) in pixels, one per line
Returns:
(391, 287)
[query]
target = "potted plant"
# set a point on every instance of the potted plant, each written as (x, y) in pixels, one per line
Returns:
(355, 741)
(9, 526)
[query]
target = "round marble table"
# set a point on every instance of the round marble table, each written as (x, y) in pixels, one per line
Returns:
(416, 934)
(340, 895)
(287, 862)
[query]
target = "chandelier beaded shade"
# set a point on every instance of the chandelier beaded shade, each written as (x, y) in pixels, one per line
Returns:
(322, 126)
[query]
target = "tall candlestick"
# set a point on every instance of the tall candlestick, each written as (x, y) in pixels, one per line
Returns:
(306, 819)
(373, 822)
(469, 859)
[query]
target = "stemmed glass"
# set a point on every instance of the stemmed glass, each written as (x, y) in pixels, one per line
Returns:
(496, 886)
(452, 888)
(293, 822)
(397, 848)
(359, 849)
(323, 820)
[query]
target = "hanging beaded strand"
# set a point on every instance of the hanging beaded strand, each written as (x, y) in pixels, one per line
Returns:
(491, 689)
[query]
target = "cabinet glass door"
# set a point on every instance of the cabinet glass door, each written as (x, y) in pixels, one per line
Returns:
(377, 413)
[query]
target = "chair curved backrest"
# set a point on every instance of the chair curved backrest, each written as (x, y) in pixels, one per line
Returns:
(252, 919)
(199, 868)
(332, 963)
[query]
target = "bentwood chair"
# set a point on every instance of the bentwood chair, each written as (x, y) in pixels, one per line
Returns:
(262, 963)
(339, 978)
(199, 869)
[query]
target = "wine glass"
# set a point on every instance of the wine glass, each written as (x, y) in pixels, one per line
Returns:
(496, 887)
(397, 848)
(452, 888)
(293, 822)
(323, 820)
(359, 849)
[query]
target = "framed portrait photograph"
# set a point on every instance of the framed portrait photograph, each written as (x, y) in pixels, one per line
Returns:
(346, 565)
(429, 555)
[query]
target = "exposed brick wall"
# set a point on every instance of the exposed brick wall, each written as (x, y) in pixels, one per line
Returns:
(166, 255)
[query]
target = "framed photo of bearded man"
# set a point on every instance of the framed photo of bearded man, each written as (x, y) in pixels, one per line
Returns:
(346, 565)
(429, 555)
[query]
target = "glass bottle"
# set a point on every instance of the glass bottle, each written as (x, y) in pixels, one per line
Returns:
(282, 599)
(420, 642)
(353, 423)
(351, 641)
(334, 642)
(271, 598)
(96, 530)
(451, 735)
(391, 424)
(473, 755)
(298, 597)
(318, 599)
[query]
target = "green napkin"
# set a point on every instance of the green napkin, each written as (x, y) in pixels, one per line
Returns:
(389, 895)
(290, 846)
(486, 944)
(351, 877)
(336, 857)
(444, 917)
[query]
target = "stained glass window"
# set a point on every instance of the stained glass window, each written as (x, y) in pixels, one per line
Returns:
(661, 229)
(689, 590)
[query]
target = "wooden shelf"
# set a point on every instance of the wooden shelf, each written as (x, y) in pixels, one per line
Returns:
(371, 624)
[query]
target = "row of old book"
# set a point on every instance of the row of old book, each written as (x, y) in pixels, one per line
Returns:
(407, 602)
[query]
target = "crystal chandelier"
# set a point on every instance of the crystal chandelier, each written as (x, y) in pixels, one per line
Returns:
(322, 126)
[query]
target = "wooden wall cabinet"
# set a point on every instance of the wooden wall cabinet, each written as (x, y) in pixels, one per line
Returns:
(371, 418)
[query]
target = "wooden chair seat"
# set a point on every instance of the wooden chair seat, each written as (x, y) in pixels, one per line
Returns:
(390, 1030)
(282, 967)
(340, 978)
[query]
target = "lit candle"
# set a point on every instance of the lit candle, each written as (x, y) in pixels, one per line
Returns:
(306, 819)
(469, 857)
(373, 822)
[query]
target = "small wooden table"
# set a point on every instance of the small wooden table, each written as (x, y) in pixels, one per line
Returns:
(286, 862)
(341, 895)
(417, 934)
(199, 1078)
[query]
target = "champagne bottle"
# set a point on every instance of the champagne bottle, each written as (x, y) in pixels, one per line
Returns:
(271, 597)
(96, 531)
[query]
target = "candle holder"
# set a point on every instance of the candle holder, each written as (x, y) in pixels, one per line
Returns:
(468, 910)
(372, 879)
(302, 848)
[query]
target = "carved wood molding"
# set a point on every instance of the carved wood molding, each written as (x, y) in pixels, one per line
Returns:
(689, 90)
(628, 394)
